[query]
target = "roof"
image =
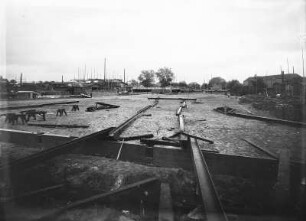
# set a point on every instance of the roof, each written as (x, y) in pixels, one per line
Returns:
(26, 92)
(277, 76)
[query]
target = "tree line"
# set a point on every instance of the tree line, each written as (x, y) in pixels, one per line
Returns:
(164, 77)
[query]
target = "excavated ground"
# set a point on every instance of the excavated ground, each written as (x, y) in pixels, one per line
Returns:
(100, 174)
(200, 119)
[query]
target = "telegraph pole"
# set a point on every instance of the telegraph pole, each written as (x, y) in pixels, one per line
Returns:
(104, 68)
(303, 90)
(288, 65)
(123, 75)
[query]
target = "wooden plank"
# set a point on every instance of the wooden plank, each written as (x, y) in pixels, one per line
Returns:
(115, 133)
(165, 212)
(266, 119)
(181, 122)
(211, 203)
(38, 105)
(282, 187)
(172, 98)
(152, 142)
(52, 152)
(199, 138)
(179, 111)
(100, 198)
(33, 193)
(58, 125)
(138, 137)
(269, 153)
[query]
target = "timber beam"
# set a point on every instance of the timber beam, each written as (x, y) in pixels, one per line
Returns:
(152, 142)
(115, 195)
(115, 133)
(47, 154)
(265, 119)
(138, 137)
(211, 203)
(172, 98)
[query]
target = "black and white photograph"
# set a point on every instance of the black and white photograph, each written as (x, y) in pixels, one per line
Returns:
(152, 110)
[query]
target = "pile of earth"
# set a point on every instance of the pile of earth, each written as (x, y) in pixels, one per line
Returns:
(286, 108)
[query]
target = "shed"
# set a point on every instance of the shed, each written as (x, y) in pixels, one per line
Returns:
(26, 94)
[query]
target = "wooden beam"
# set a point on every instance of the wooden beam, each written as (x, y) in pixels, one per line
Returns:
(269, 153)
(179, 111)
(199, 138)
(101, 198)
(282, 187)
(165, 212)
(32, 193)
(211, 203)
(115, 133)
(47, 154)
(58, 125)
(265, 119)
(181, 122)
(37, 105)
(138, 137)
(151, 142)
(172, 98)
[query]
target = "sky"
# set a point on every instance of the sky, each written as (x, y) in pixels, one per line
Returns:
(197, 39)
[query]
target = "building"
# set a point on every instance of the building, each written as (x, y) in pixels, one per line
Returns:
(24, 95)
(290, 84)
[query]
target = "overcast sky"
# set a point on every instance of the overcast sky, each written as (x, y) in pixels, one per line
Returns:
(197, 39)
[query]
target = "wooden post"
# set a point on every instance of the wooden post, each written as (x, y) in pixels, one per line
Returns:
(165, 204)
(282, 188)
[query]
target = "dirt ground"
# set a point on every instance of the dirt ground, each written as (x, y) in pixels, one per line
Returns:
(100, 174)
(200, 120)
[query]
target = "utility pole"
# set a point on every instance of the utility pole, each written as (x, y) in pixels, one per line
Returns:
(78, 74)
(303, 89)
(104, 68)
(84, 74)
(123, 75)
(20, 79)
(288, 65)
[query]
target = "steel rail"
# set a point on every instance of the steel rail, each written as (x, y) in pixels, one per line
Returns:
(212, 206)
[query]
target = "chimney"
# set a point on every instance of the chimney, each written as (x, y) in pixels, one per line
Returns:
(21, 79)
(62, 79)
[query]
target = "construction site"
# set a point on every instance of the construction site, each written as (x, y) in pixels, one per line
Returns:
(159, 157)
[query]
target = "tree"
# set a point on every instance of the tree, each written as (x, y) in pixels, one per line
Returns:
(134, 83)
(182, 84)
(234, 87)
(175, 84)
(13, 81)
(258, 85)
(146, 78)
(217, 82)
(204, 86)
(194, 86)
(165, 76)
